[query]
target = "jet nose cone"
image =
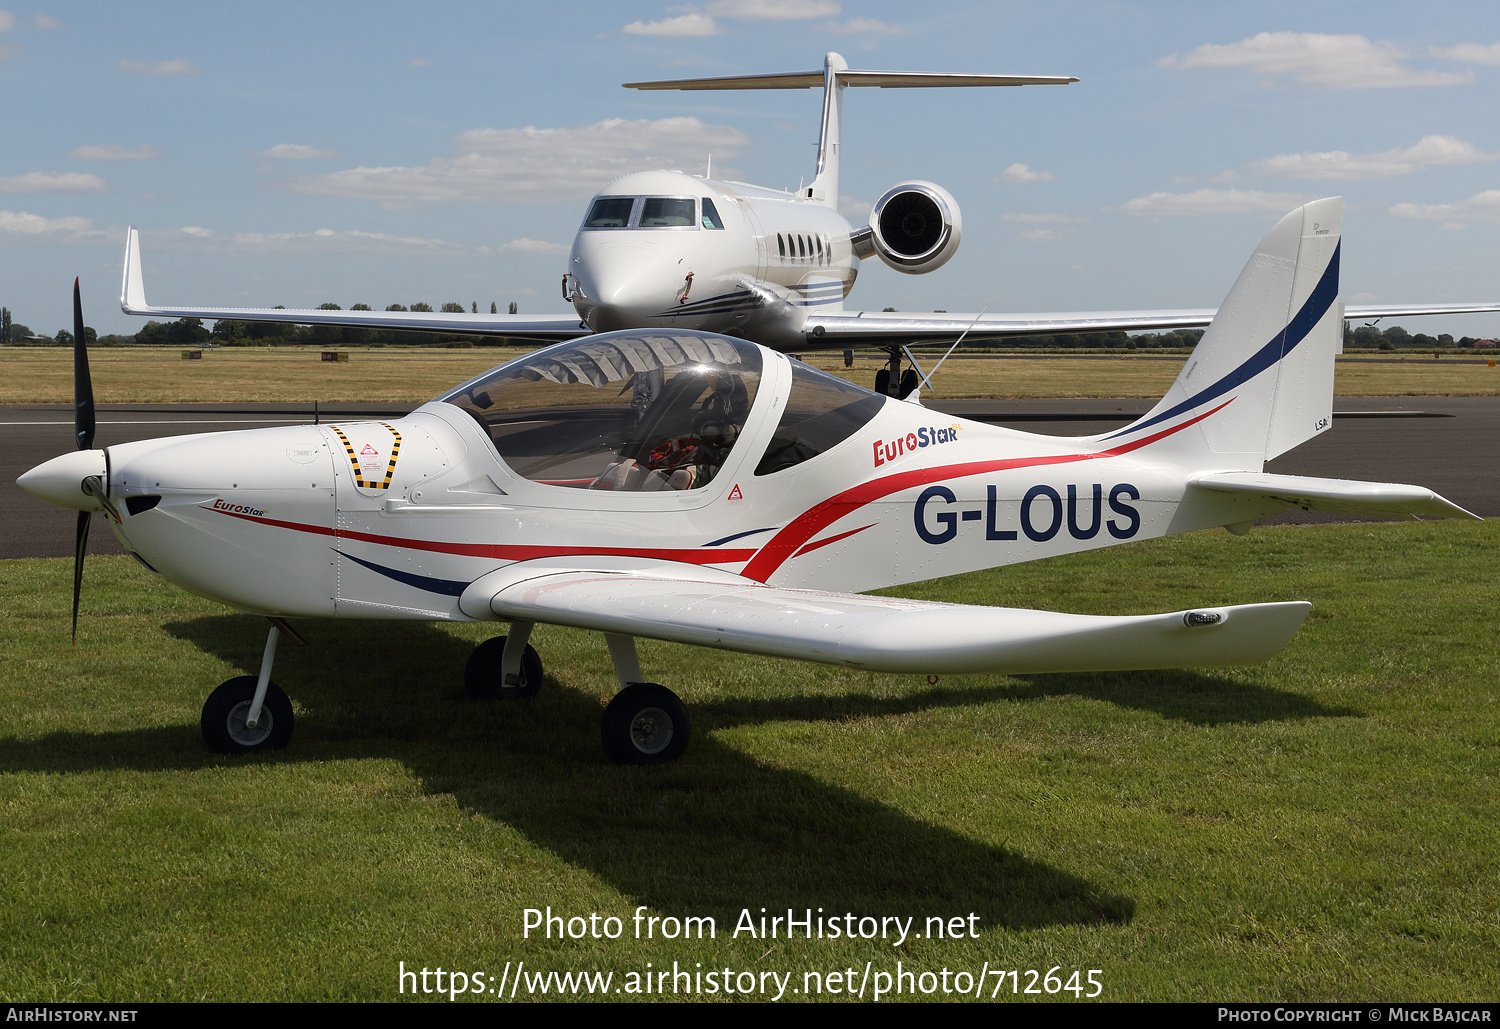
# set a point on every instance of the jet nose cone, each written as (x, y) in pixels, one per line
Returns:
(60, 480)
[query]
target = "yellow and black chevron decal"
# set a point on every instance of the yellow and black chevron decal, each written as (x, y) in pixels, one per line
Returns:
(390, 468)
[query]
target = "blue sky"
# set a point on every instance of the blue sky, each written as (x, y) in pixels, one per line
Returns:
(292, 154)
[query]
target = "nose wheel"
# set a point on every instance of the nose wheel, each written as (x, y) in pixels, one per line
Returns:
(486, 677)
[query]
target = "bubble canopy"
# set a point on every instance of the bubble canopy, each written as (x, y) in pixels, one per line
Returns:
(631, 411)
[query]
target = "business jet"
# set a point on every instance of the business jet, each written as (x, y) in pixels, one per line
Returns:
(684, 485)
(670, 250)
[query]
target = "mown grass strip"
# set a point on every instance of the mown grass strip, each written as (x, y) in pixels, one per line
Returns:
(1321, 826)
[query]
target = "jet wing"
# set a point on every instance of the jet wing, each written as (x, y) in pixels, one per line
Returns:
(538, 327)
(1343, 496)
(694, 605)
(847, 329)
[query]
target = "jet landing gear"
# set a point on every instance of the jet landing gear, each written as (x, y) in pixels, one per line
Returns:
(906, 381)
(645, 724)
(249, 714)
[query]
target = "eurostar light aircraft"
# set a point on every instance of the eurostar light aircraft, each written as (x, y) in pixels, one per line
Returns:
(689, 486)
(668, 250)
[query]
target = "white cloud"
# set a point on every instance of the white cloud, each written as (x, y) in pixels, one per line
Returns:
(1481, 207)
(691, 24)
(197, 231)
(1046, 235)
(1340, 164)
(114, 152)
(46, 22)
(158, 68)
(532, 164)
(7, 21)
(852, 207)
(862, 26)
(9, 50)
(774, 10)
(294, 152)
(1469, 53)
(331, 240)
(54, 182)
(1317, 60)
(24, 225)
(419, 62)
(1021, 173)
(1030, 218)
(1214, 201)
(532, 246)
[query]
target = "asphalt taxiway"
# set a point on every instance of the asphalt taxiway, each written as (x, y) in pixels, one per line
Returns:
(1448, 444)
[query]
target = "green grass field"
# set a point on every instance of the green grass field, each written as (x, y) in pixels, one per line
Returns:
(1323, 826)
(32, 375)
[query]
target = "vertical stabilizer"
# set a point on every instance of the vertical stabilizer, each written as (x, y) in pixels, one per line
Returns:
(1264, 368)
(825, 186)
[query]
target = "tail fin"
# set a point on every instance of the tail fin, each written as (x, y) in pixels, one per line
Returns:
(1260, 380)
(834, 76)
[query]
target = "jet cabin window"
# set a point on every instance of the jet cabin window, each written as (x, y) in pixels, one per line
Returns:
(633, 411)
(821, 412)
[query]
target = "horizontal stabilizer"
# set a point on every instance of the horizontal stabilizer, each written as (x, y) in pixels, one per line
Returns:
(852, 77)
(884, 634)
(1342, 496)
(537, 327)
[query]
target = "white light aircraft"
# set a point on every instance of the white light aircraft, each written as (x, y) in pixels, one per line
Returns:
(688, 486)
(669, 250)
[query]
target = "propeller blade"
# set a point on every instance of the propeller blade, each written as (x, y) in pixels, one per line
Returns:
(83, 387)
(80, 546)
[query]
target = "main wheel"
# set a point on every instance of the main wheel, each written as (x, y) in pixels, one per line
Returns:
(482, 672)
(645, 724)
(883, 381)
(225, 711)
(909, 382)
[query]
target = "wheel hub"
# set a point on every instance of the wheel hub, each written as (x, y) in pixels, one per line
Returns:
(651, 730)
(242, 733)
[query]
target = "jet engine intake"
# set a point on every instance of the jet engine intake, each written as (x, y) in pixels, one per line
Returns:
(915, 227)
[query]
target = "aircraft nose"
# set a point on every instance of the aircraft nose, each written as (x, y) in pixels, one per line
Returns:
(60, 480)
(624, 284)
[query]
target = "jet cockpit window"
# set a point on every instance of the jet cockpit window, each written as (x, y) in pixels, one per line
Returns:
(822, 411)
(669, 212)
(711, 219)
(610, 213)
(632, 411)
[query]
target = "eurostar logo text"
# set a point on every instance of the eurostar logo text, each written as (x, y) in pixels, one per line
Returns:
(927, 436)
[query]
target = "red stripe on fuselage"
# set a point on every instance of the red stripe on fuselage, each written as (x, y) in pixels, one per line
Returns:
(787, 543)
(507, 551)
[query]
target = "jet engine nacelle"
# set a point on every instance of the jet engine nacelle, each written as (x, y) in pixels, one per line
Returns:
(914, 228)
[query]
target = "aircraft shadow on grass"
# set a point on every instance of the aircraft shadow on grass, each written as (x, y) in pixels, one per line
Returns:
(711, 834)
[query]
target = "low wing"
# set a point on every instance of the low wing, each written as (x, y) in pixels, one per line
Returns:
(693, 605)
(541, 327)
(1343, 496)
(837, 330)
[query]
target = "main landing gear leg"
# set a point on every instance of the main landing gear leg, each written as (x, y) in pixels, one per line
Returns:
(250, 713)
(645, 724)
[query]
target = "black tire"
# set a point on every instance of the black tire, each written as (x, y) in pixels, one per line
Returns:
(883, 381)
(482, 672)
(223, 721)
(645, 724)
(909, 382)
